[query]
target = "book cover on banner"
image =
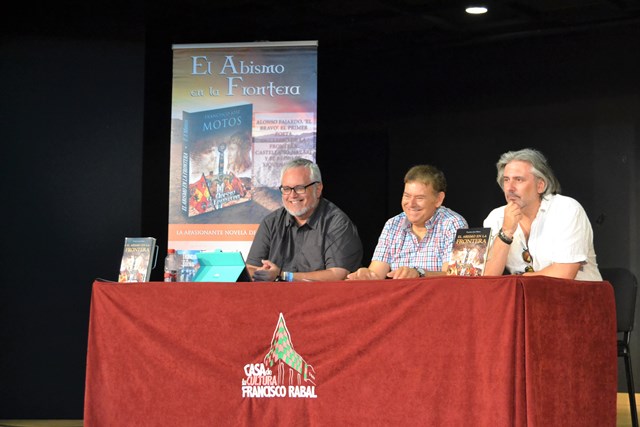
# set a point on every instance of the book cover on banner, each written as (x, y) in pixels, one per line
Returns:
(217, 159)
(469, 252)
(138, 259)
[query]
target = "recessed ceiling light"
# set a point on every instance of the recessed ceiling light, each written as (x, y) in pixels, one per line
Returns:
(476, 10)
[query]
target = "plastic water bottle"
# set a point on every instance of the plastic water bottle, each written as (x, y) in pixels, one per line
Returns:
(171, 266)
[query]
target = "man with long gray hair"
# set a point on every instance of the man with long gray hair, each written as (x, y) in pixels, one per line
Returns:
(538, 232)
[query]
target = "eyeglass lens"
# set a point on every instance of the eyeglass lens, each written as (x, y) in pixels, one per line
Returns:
(300, 189)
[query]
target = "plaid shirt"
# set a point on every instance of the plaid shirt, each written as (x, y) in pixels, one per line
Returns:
(399, 247)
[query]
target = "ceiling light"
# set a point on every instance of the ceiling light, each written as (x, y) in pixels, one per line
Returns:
(476, 10)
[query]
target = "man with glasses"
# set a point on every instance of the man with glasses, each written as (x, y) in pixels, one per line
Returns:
(420, 239)
(309, 238)
(538, 232)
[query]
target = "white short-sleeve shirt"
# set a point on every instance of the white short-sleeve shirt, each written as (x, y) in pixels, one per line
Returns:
(560, 233)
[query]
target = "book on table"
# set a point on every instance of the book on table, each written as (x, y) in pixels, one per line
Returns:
(139, 256)
(469, 252)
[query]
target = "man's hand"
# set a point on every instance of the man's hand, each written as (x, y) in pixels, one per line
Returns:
(267, 273)
(512, 216)
(377, 271)
(403, 273)
(363, 274)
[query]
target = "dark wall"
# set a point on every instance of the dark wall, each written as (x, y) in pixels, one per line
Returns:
(72, 115)
(86, 127)
(575, 97)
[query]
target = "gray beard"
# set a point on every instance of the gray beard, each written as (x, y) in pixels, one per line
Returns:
(303, 211)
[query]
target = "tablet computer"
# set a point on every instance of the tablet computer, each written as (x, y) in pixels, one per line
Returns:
(218, 266)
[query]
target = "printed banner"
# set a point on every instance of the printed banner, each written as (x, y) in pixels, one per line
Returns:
(239, 113)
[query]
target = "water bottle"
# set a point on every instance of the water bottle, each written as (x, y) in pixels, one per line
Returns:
(171, 266)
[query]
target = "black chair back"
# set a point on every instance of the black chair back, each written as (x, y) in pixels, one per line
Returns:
(625, 287)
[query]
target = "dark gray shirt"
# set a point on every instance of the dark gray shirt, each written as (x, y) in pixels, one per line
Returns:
(328, 239)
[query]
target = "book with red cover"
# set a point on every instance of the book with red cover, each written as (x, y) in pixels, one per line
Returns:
(469, 252)
(139, 256)
(217, 159)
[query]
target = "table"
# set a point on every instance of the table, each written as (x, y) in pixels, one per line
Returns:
(438, 351)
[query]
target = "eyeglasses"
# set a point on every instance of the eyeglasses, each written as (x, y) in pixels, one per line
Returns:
(526, 257)
(299, 189)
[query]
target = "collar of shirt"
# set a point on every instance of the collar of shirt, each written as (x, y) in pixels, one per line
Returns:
(545, 203)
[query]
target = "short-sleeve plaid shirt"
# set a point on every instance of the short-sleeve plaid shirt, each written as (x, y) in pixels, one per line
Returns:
(399, 247)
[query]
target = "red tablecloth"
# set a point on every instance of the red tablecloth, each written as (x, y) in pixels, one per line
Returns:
(441, 351)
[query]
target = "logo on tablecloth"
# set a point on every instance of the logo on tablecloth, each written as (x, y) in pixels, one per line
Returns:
(282, 373)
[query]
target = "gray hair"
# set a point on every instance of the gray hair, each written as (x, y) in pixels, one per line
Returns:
(314, 170)
(539, 168)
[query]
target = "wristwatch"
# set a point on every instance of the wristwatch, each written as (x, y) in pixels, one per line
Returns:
(420, 271)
